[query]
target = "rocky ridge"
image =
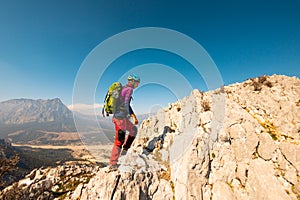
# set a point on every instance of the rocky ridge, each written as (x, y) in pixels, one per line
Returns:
(238, 142)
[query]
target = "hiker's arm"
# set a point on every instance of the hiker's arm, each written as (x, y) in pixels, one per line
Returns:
(127, 101)
(130, 110)
(128, 107)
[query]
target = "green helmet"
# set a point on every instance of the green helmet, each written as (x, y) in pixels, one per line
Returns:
(134, 77)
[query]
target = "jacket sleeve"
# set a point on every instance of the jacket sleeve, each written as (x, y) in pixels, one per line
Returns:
(127, 99)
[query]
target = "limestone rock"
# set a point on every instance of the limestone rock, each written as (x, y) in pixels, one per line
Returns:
(292, 154)
(266, 146)
(238, 142)
(262, 182)
(222, 190)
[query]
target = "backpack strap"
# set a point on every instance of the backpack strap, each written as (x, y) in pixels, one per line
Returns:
(121, 103)
(103, 112)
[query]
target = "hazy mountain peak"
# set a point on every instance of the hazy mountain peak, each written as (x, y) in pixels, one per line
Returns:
(20, 111)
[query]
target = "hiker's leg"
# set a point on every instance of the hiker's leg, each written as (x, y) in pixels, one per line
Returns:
(128, 142)
(131, 128)
(119, 141)
(132, 134)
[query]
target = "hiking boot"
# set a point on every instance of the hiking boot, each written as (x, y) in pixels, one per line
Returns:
(112, 168)
(124, 152)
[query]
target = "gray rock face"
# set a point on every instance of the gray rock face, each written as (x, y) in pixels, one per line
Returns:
(238, 142)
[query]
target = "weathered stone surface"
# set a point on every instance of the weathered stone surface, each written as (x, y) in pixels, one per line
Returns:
(50, 182)
(236, 131)
(221, 190)
(164, 191)
(242, 172)
(115, 185)
(262, 182)
(292, 154)
(266, 146)
(244, 146)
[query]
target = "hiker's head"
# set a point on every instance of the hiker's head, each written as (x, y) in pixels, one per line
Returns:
(134, 80)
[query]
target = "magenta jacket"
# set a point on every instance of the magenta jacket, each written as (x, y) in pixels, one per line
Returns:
(124, 109)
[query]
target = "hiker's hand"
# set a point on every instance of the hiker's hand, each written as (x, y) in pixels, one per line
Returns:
(134, 119)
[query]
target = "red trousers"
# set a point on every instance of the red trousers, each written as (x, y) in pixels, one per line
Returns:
(122, 125)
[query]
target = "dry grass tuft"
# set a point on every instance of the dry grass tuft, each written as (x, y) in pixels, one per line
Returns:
(205, 105)
(257, 83)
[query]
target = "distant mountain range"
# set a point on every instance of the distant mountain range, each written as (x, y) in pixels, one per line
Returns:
(39, 122)
(21, 111)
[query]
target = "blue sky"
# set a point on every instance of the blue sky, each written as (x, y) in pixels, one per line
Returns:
(44, 43)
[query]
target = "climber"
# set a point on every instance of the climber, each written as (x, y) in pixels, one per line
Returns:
(121, 119)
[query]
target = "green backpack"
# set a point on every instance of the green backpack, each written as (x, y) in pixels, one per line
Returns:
(112, 99)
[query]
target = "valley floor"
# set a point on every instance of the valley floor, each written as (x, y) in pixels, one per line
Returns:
(91, 153)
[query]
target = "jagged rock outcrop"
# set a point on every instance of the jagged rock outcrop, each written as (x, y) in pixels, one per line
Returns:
(238, 142)
(49, 183)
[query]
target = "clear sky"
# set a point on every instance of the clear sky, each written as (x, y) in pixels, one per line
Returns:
(44, 43)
